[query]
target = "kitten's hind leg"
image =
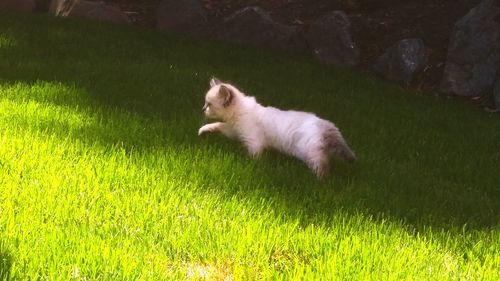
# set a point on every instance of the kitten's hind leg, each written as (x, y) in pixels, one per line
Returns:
(318, 161)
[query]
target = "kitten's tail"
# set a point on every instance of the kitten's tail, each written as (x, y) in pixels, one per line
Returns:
(340, 148)
(337, 144)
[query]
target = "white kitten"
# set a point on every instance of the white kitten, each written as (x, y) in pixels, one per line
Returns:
(300, 134)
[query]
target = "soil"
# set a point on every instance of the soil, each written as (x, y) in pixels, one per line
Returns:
(377, 24)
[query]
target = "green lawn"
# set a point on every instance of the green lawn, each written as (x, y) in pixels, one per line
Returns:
(103, 176)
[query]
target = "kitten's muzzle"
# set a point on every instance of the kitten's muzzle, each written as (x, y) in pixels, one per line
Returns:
(204, 108)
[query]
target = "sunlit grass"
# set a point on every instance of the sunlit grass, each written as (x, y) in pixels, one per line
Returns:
(102, 175)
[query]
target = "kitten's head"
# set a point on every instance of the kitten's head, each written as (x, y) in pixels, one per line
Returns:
(219, 100)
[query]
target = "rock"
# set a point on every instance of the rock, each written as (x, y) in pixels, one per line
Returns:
(19, 5)
(331, 40)
(402, 60)
(473, 51)
(87, 10)
(252, 26)
(42, 5)
(180, 15)
(496, 93)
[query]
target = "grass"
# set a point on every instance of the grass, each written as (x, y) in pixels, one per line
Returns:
(102, 176)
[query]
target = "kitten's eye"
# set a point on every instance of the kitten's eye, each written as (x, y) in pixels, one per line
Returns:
(206, 106)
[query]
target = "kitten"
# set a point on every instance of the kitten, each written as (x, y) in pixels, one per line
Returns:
(300, 134)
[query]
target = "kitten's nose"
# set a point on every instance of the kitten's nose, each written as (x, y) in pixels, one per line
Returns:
(204, 108)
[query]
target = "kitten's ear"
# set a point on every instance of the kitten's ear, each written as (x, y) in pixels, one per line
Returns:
(226, 94)
(214, 81)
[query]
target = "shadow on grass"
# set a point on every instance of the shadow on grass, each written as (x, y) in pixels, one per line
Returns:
(400, 175)
(5, 262)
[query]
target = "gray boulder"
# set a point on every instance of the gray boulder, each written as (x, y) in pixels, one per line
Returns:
(496, 93)
(88, 10)
(473, 51)
(331, 41)
(42, 5)
(402, 60)
(252, 26)
(180, 15)
(19, 5)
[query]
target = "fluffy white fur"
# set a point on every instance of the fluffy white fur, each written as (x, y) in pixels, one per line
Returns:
(300, 134)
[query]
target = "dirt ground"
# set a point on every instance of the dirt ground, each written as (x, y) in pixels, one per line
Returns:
(377, 24)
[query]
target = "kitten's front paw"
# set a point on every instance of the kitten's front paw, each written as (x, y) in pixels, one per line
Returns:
(201, 131)
(204, 129)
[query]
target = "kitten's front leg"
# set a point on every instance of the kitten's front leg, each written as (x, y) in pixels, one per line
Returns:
(255, 151)
(208, 128)
(255, 147)
(222, 127)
